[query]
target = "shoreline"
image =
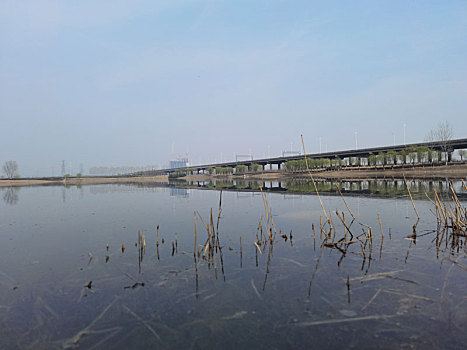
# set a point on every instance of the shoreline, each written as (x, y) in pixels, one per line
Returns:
(457, 171)
(60, 181)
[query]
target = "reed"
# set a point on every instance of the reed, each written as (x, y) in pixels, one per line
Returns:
(410, 195)
(340, 193)
(196, 234)
(313, 180)
(380, 226)
(157, 236)
(241, 253)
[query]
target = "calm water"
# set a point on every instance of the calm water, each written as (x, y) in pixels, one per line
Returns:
(406, 293)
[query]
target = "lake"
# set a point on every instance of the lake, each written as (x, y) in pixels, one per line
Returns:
(87, 267)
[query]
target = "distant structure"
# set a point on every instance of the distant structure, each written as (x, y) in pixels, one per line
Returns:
(179, 163)
(63, 167)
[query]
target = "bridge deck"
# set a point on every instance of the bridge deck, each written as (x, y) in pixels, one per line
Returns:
(450, 146)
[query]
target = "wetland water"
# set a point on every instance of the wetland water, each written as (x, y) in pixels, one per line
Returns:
(62, 288)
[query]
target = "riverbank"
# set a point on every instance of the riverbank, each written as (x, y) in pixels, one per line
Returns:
(54, 181)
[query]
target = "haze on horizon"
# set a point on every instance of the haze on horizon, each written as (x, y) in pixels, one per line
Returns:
(113, 83)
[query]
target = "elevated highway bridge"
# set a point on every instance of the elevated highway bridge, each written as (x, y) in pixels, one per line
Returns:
(444, 146)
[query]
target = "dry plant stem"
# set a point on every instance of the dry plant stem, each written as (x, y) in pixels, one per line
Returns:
(380, 226)
(363, 251)
(345, 225)
(343, 320)
(257, 230)
(241, 252)
(457, 263)
(157, 236)
(372, 299)
(272, 222)
(456, 202)
(75, 339)
(206, 226)
(145, 323)
(410, 195)
(441, 207)
(265, 208)
(219, 212)
(426, 194)
(340, 193)
(313, 180)
(465, 186)
(257, 247)
(194, 249)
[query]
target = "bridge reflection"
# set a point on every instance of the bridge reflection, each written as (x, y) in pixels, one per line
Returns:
(374, 187)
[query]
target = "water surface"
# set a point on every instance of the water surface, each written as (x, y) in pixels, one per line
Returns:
(62, 288)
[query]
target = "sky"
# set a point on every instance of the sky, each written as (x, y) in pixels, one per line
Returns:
(113, 83)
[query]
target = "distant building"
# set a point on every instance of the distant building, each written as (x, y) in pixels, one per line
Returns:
(179, 163)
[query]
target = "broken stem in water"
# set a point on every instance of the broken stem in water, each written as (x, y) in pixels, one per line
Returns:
(313, 181)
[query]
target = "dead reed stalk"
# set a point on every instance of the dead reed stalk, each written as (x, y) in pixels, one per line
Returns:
(410, 194)
(313, 180)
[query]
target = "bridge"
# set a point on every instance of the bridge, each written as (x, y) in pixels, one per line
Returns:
(443, 146)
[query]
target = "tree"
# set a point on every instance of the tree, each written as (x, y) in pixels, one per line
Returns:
(421, 152)
(442, 135)
(381, 158)
(241, 168)
(391, 157)
(402, 155)
(412, 153)
(256, 167)
(10, 167)
(435, 156)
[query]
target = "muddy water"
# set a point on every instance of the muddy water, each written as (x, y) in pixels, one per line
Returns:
(62, 288)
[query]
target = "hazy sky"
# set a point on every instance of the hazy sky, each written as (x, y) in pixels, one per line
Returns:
(128, 82)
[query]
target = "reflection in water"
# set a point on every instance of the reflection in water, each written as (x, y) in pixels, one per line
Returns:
(11, 195)
(179, 192)
(380, 187)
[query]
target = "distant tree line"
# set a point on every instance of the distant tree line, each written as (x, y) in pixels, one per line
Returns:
(410, 155)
